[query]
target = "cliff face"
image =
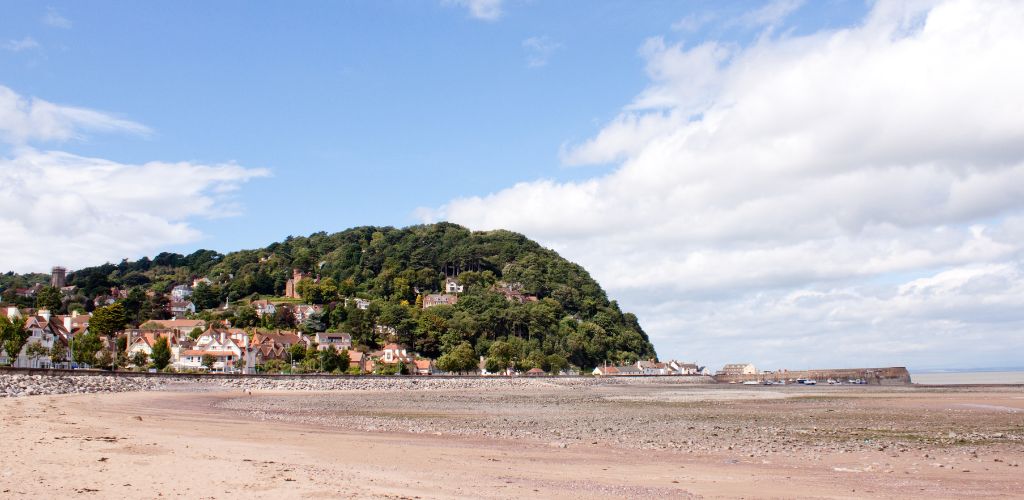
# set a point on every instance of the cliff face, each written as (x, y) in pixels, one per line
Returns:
(896, 375)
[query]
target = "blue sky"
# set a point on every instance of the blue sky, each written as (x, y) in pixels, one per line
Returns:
(363, 111)
(791, 183)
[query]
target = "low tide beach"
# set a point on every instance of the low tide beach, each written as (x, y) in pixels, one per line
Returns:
(536, 438)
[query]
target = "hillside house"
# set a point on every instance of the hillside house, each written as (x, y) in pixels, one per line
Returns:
(303, 312)
(263, 307)
(180, 309)
(180, 293)
(179, 326)
(452, 285)
(337, 340)
(438, 299)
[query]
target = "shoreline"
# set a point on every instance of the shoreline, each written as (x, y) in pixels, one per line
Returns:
(493, 442)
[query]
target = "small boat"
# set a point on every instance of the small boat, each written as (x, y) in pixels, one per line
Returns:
(751, 382)
(810, 382)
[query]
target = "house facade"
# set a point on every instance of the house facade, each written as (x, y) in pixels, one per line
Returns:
(337, 340)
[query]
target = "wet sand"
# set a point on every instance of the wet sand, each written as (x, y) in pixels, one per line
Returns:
(544, 442)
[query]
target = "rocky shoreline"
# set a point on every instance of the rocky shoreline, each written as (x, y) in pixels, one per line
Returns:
(19, 385)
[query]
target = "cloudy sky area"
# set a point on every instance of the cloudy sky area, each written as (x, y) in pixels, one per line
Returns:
(794, 185)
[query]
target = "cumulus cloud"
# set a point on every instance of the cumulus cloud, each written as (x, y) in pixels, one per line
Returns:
(763, 191)
(64, 208)
(486, 10)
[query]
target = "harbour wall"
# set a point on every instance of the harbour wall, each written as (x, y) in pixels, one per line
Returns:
(896, 375)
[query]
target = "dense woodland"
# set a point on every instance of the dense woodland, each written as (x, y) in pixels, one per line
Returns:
(573, 320)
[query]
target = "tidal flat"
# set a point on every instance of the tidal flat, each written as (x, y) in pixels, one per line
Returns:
(541, 438)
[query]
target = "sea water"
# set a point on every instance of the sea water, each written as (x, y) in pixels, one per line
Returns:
(969, 377)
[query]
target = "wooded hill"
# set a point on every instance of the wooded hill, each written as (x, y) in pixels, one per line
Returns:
(394, 269)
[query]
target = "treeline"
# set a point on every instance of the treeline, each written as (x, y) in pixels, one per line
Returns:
(394, 269)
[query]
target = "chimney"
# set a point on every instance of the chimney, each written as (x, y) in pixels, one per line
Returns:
(45, 313)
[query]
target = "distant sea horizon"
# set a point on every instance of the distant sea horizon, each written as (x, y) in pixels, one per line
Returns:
(1002, 375)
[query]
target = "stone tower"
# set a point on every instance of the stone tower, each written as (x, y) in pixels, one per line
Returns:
(58, 277)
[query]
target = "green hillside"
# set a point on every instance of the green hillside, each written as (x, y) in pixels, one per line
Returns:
(571, 316)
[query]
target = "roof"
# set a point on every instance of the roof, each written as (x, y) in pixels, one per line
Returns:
(193, 352)
(423, 364)
(178, 323)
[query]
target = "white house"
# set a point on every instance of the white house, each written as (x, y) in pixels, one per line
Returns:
(303, 312)
(263, 307)
(180, 293)
(45, 331)
(452, 285)
(226, 346)
(339, 341)
(180, 309)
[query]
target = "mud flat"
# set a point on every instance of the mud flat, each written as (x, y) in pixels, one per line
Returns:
(531, 440)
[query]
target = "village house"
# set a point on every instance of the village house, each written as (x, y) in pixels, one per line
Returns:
(44, 331)
(303, 312)
(438, 299)
(513, 292)
(28, 292)
(738, 369)
(682, 368)
(452, 285)
(338, 340)
(359, 360)
(75, 321)
(179, 326)
(180, 293)
(263, 307)
(653, 368)
(268, 346)
(394, 354)
(227, 346)
(144, 340)
(535, 372)
(423, 367)
(180, 309)
(205, 281)
(605, 371)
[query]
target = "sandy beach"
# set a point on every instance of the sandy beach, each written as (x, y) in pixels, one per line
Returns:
(533, 440)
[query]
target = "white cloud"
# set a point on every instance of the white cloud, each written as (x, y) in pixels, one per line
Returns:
(23, 120)
(55, 19)
(844, 166)
(64, 208)
(539, 50)
(486, 10)
(771, 14)
(20, 45)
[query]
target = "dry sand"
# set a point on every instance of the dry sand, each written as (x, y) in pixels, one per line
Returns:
(544, 441)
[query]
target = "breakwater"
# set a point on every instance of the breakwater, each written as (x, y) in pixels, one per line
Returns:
(896, 375)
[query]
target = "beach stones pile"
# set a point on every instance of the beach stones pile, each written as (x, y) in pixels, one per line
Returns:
(15, 385)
